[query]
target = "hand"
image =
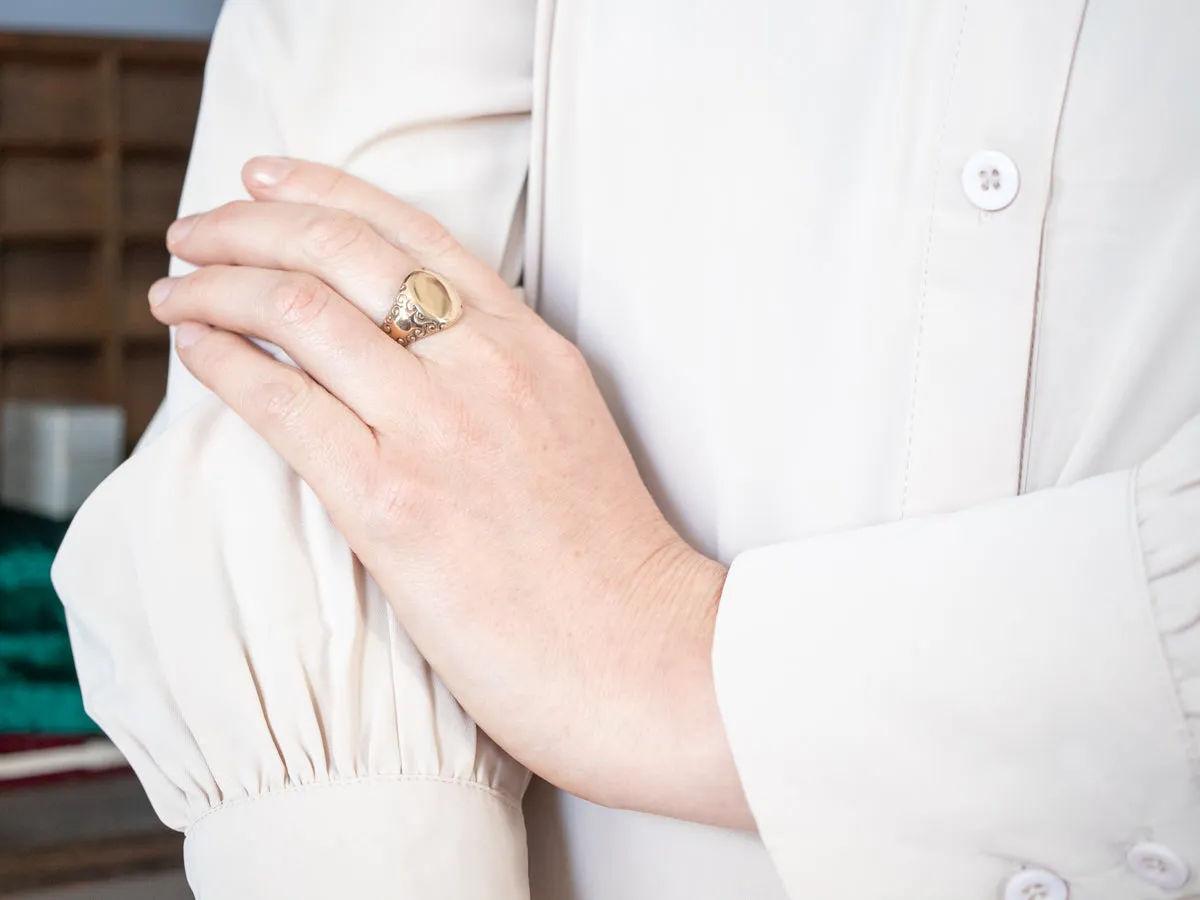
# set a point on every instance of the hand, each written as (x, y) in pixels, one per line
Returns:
(479, 477)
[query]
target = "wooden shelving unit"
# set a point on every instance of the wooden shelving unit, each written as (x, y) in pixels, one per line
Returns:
(94, 140)
(83, 832)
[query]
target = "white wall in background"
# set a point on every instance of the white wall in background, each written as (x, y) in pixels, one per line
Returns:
(151, 18)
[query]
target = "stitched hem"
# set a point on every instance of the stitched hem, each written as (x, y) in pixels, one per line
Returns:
(352, 782)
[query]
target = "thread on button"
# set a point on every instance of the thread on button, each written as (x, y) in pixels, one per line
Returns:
(989, 181)
(1158, 865)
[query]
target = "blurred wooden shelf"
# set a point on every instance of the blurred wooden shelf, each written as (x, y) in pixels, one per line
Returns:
(79, 146)
(153, 147)
(65, 338)
(74, 832)
(147, 234)
(66, 319)
(42, 144)
(188, 55)
(142, 331)
(50, 233)
(139, 341)
(94, 139)
(90, 861)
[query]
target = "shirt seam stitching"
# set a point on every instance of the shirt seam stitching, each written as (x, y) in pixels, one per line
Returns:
(351, 782)
(920, 336)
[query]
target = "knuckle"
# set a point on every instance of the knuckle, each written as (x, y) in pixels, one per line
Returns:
(331, 233)
(208, 285)
(299, 300)
(327, 184)
(284, 398)
(431, 237)
(569, 359)
(207, 358)
(226, 212)
(237, 207)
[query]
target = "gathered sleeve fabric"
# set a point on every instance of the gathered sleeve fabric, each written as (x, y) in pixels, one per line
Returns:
(226, 637)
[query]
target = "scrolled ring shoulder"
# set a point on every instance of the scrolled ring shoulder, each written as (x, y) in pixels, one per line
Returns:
(425, 304)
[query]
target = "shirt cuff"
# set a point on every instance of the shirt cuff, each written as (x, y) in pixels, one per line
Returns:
(949, 698)
(411, 838)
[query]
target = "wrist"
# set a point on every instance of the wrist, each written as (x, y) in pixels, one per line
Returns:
(676, 757)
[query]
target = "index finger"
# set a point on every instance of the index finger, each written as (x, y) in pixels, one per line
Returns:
(405, 226)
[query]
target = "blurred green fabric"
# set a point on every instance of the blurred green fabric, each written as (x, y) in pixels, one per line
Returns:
(39, 692)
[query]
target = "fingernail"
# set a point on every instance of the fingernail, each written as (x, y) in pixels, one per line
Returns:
(161, 290)
(189, 333)
(268, 171)
(180, 228)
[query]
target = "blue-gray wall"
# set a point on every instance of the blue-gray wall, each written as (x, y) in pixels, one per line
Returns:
(154, 18)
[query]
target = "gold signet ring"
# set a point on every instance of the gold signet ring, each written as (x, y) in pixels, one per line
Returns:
(425, 304)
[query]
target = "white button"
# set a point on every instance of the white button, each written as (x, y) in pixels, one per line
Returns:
(991, 180)
(1159, 865)
(1036, 884)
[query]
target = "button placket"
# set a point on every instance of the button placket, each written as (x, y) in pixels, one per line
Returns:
(978, 308)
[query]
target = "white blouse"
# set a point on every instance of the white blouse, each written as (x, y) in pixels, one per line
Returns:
(899, 307)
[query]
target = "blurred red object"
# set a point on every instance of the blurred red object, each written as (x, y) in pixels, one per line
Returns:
(27, 759)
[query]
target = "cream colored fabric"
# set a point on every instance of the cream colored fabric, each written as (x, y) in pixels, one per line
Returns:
(225, 635)
(952, 455)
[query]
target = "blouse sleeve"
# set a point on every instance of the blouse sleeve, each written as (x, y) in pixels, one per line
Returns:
(226, 637)
(958, 696)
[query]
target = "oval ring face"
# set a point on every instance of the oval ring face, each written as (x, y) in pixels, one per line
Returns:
(432, 295)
